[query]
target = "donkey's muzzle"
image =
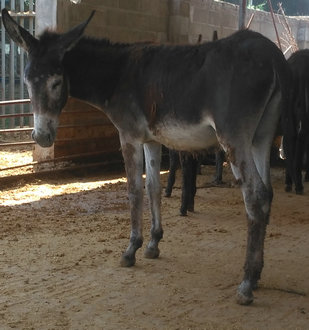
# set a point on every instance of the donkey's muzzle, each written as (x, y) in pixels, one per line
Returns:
(45, 129)
(43, 139)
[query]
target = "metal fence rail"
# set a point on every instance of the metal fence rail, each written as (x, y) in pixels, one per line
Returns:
(12, 66)
(5, 133)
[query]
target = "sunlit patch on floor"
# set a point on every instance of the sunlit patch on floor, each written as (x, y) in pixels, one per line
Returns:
(31, 193)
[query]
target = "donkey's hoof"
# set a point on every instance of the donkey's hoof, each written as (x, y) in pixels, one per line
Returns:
(152, 253)
(299, 191)
(191, 208)
(244, 294)
(127, 260)
(183, 212)
(288, 188)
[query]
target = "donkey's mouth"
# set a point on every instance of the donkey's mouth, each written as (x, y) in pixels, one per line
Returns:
(45, 129)
(44, 140)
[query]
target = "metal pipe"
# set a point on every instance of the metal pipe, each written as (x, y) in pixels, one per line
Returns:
(15, 130)
(250, 21)
(9, 102)
(21, 65)
(16, 115)
(242, 14)
(58, 159)
(12, 69)
(16, 144)
(3, 73)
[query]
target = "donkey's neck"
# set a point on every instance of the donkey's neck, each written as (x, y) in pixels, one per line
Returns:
(94, 69)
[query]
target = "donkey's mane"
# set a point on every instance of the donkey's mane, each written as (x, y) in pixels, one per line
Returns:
(91, 44)
(95, 43)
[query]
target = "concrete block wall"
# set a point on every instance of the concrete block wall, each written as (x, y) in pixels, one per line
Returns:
(173, 21)
(118, 20)
(191, 18)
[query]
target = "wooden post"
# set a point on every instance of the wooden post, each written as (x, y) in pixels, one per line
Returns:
(242, 14)
(46, 17)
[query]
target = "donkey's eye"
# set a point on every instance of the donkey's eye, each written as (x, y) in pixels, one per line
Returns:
(56, 84)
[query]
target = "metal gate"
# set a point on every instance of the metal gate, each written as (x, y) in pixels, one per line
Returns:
(15, 111)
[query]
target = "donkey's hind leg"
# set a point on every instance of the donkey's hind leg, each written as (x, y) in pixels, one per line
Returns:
(153, 160)
(257, 198)
(174, 164)
(253, 167)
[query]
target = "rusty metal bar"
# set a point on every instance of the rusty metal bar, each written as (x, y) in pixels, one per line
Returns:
(250, 21)
(24, 14)
(275, 26)
(6, 180)
(16, 144)
(16, 115)
(15, 130)
(55, 160)
(12, 130)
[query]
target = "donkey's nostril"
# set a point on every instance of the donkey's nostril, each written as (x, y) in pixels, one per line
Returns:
(49, 138)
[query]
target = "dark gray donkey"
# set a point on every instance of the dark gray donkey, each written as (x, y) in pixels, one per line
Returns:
(186, 97)
(296, 137)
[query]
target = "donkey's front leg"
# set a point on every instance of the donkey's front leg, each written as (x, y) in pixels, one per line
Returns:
(133, 158)
(153, 187)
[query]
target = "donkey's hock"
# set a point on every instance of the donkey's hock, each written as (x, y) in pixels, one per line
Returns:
(187, 97)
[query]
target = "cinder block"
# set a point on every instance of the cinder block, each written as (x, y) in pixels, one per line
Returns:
(200, 3)
(156, 8)
(200, 15)
(157, 23)
(226, 31)
(129, 4)
(102, 3)
(196, 28)
(230, 19)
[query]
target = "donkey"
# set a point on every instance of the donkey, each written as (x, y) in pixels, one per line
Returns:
(298, 138)
(186, 97)
(190, 167)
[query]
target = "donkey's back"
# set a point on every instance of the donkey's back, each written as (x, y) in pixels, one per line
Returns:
(189, 95)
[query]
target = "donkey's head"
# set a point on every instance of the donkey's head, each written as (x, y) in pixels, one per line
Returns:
(44, 74)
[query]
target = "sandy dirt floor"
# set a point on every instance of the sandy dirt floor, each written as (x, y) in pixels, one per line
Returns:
(61, 240)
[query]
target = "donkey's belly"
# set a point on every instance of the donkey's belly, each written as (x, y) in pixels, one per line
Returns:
(186, 137)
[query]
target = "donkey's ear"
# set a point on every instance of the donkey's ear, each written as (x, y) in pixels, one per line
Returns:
(69, 39)
(17, 33)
